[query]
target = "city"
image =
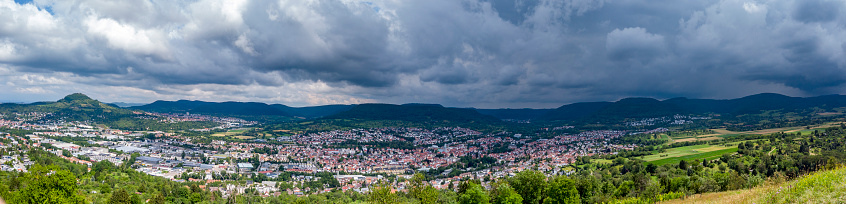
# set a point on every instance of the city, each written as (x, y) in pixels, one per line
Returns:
(180, 159)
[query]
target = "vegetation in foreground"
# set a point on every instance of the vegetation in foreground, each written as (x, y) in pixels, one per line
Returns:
(826, 186)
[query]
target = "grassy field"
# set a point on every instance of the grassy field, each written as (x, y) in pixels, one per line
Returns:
(716, 134)
(707, 155)
(820, 187)
(684, 151)
(234, 132)
(689, 153)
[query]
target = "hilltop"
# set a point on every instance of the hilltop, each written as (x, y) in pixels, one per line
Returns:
(75, 106)
(79, 107)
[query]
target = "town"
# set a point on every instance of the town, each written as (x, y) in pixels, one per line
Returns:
(302, 164)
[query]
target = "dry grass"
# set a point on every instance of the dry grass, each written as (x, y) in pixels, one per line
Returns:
(828, 125)
(724, 131)
(746, 196)
(757, 132)
(244, 137)
(820, 187)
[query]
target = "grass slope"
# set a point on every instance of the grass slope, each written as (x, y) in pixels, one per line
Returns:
(820, 187)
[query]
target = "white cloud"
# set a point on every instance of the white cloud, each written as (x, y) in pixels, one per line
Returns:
(126, 37)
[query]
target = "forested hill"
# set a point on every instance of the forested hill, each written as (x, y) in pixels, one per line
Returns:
(79, 107)
(313, 111)
(515, 114)
(73, 107)
(583, 111)
(414, 113)
(213, 108)
(647, 107)
(240, 108)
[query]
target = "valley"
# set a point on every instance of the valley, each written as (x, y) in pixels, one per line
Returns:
(244, 151)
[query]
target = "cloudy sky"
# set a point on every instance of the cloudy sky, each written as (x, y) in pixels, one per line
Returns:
(480, 53)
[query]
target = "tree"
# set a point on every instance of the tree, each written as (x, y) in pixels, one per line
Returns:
(421, 190)
(158, 199)
(416, 184)
(48, 185)
(474, 194)
(120, 197)
(429, 195)
(135, 199)
(502, 193)
(561, 190)
(530, 185)
(381, 194)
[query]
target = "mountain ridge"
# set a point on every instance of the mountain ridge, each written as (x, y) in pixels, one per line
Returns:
(633, 107)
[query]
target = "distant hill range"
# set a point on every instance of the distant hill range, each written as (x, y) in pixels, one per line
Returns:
(240, 108)
(583, 111)
(647, 107)
(414, 113)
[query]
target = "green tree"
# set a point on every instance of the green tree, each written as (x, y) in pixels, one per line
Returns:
(48, 185)
(381, 194)
(158, 199)
(120, 197)
(530, 185)
(135, 199)
(561, 190)
(475, 194)
(429, 195)
(502, 193)
(416, 184)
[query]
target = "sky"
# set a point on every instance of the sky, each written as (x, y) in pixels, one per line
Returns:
(459, 53)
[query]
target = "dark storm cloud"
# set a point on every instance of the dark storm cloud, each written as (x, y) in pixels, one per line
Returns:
(817, 10)
(491, 53)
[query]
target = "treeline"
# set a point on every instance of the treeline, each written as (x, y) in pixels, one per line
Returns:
(55, 180)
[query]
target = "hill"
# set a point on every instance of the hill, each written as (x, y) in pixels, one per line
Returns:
(575, 111)
(648, 107)
(179, 106)
(79, 107)
(414, 113)
(241, 108)
(75, 106)
(515, 114)
(238, 108)
(313, 111)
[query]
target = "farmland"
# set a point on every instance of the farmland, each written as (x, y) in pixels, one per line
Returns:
(700, 156)
(688, 153)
